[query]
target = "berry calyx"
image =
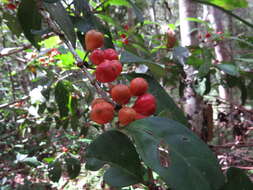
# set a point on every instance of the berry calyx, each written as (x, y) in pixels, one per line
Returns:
(93, 40)
(108, 71)
(138, 86)
(102, 113)
(145, 104)
(97, 56)
(96, 101)
(111, 54)
(121, 94)
(126, 115)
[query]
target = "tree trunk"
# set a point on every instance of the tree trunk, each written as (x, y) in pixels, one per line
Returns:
(222, 51)
(193, 104)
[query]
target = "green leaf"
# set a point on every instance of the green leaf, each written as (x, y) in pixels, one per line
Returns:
(62, 94)
(237, 179)
(117, 177)
(12, 23)
(128, 57)
(94, 164)
(51, 42)
(73, 167)
(118, 3)
(176, 154)
(116, 149)
(229, 4)
(60, 15)
(29, 19)
(54, 171)
(165, 103)
(229, 69)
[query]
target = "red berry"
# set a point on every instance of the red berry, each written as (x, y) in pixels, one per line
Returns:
(11, 6)
(145, 104)
(121, 94)
(97, 56)
(139, 116)
(123, 35)
(126, 27)
(93, 40)
(125, 41)
(171, 39)
(111, 54)
(138, 86)
(64, 149)
(208, 35)
(126, 115)
(108, 71)
(219, 32)
(102, 113)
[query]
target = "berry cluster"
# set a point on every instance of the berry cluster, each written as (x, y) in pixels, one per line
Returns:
(102, 112)
(107, 70)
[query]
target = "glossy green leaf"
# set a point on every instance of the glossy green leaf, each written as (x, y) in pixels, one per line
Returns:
(237, 179)
(165, 104)
(229, 69)
(117, 177)
(73, 167)
(176, 154)
(60, 15)
(116, 149)
(27, 9)
(54, 171)
(128, 57)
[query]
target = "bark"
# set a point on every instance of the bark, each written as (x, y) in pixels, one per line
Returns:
(222, 51)
(193, 104)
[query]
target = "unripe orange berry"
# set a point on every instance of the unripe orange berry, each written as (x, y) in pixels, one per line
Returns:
(110, 54)
(96, 101)
(102, 113)
(171, 39)
(93, 40)
(97, 56)
(145, 104)
(126, 115)
(121, 94)
(108, 71)
(138, 86)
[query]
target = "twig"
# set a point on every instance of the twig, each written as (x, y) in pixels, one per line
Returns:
(56, 29)
(14, 102)
(10, 51)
